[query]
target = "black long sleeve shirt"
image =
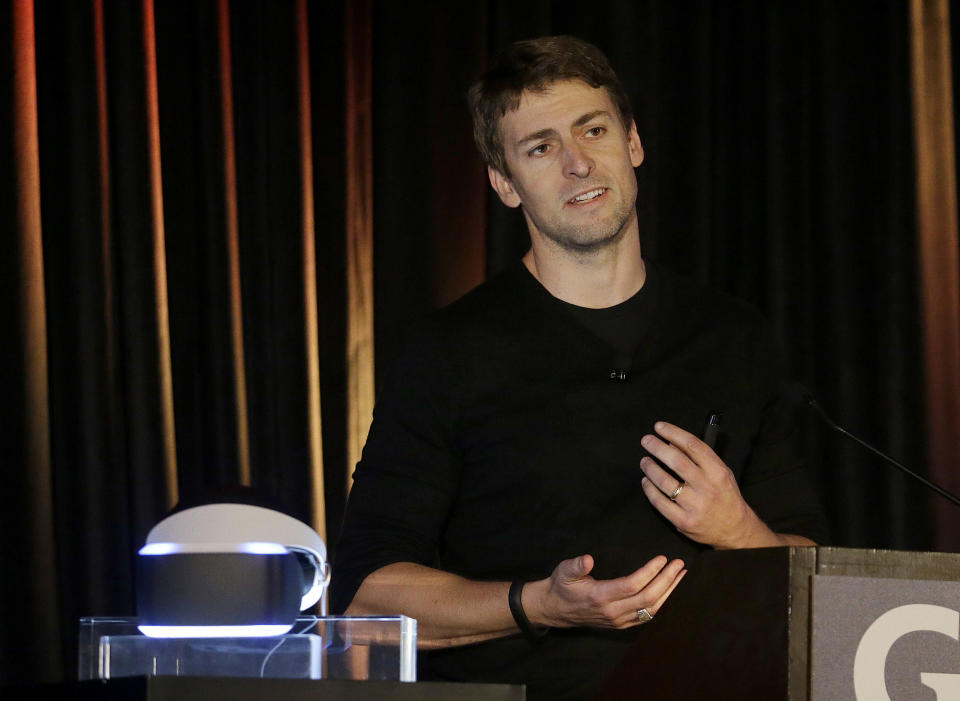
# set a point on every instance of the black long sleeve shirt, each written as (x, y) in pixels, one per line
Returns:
(500, 446)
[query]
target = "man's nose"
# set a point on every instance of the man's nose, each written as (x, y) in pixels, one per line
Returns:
(577, 163)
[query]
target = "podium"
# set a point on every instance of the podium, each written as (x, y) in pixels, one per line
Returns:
(795, 624)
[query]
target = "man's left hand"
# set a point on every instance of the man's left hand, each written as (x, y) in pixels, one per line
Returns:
(708, 507)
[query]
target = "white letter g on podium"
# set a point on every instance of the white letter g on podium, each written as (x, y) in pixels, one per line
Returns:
(871, 660)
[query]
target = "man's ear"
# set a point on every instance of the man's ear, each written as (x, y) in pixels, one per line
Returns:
(504, 188)
(636, 148)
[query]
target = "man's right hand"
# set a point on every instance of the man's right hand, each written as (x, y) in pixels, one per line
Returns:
(571, 597)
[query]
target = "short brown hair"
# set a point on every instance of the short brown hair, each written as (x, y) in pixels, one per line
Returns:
(534, 65)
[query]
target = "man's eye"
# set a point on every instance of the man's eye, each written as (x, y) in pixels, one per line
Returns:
(595, 131)
(538, 150)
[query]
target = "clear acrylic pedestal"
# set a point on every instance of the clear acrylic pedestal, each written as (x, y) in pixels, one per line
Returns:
(330, 647)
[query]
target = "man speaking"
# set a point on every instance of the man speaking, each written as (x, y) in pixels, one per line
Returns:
(536, 477)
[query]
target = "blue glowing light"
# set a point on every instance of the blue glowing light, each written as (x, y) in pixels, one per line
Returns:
(159, 549)
(253, 548)
(263, 548)
(251, 631)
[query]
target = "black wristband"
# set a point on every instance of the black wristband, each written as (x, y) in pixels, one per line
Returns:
(516, 608)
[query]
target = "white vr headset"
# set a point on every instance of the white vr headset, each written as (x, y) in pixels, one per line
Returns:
(229, 570)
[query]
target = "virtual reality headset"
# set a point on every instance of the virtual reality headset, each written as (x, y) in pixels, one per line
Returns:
(228, 570)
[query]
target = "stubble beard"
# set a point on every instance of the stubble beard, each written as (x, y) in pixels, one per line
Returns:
(591, 237)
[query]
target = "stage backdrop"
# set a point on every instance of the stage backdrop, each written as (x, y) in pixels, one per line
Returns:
(184, 309)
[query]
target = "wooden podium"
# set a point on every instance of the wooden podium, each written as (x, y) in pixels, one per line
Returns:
(801, 623)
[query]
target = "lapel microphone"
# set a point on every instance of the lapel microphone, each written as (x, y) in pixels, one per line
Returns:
(620, 372)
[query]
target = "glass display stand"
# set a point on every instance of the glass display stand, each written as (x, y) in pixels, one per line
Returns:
(329, 647)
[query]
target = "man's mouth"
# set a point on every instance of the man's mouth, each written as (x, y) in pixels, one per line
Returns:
(587, 196)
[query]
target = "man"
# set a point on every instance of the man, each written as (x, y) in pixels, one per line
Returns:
(510, 497)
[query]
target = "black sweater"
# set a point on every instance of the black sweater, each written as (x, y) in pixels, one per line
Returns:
(500, 446)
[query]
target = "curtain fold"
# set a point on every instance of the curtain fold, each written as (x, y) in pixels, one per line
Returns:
(28, 548)
(936, 185)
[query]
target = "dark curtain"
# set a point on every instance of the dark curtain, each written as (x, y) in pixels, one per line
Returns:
(429, 186)
(779, 167)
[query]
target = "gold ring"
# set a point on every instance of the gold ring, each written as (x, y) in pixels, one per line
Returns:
(644, 616)
(676, 492)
